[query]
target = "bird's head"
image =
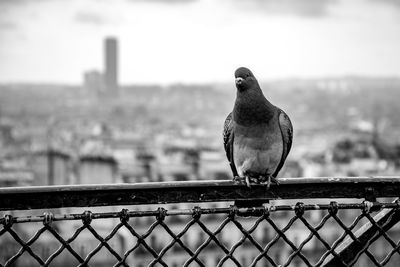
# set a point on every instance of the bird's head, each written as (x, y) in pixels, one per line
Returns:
(244, 79)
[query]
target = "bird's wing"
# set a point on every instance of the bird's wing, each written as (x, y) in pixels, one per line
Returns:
(287, 137)
(228, 142)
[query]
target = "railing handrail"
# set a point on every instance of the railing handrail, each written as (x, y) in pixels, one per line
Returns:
(47, 197)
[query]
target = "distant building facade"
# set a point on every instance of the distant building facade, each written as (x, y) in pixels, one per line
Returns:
(16, 178)
(111, 65)
(94, 82)
(51, 167)
(97, 169)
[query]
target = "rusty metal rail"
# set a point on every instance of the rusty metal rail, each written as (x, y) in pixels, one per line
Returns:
(17, 198)
(274, 234)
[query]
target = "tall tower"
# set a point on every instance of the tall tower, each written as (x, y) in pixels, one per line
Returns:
(111, 65)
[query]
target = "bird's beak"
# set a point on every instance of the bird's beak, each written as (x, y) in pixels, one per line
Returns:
(239, 80)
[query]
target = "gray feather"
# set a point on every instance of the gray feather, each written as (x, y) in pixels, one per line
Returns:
(287, 137)
(228, 141)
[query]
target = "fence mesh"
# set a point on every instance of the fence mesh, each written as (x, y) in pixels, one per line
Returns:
(272, 235)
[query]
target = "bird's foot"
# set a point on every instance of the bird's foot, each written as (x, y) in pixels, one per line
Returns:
(238, 180)
(247, 180)
(251, 180)
(268, 180)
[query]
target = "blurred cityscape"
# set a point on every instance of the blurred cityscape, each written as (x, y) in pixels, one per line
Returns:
(56, 134)
(104, 132)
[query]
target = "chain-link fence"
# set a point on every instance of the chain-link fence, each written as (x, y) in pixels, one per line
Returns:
(279, 233)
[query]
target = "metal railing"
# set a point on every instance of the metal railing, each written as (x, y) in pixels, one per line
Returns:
(296, 223)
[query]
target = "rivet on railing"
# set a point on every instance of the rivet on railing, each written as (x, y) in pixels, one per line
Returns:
(233, 210)
(266, 211)
(333, 208)
(161, 214)
(299, 209)
(87, 217)
(369, 206)
(124, 215)
(8, 221)
(196, 213)
(48, 218)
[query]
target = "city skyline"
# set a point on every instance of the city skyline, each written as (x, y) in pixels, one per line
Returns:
(199, 41)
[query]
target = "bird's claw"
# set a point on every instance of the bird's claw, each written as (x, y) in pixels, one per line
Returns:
(241, 180)
(275, 180)
(238, 180)
(247, 180)
(271, 179)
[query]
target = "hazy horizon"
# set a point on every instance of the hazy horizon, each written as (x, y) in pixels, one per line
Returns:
(205, 83)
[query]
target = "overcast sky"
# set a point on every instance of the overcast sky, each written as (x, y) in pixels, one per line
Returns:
(194, 41)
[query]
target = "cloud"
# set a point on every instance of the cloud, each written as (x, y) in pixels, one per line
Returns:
(11, 3)
(304, 8)
(166, 1)
(393, 3)
(90, 18)
(8, 25)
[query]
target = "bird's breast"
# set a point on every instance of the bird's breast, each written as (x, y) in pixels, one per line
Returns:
(257, 150)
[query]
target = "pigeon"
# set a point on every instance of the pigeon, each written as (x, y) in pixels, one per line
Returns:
(257, 135)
